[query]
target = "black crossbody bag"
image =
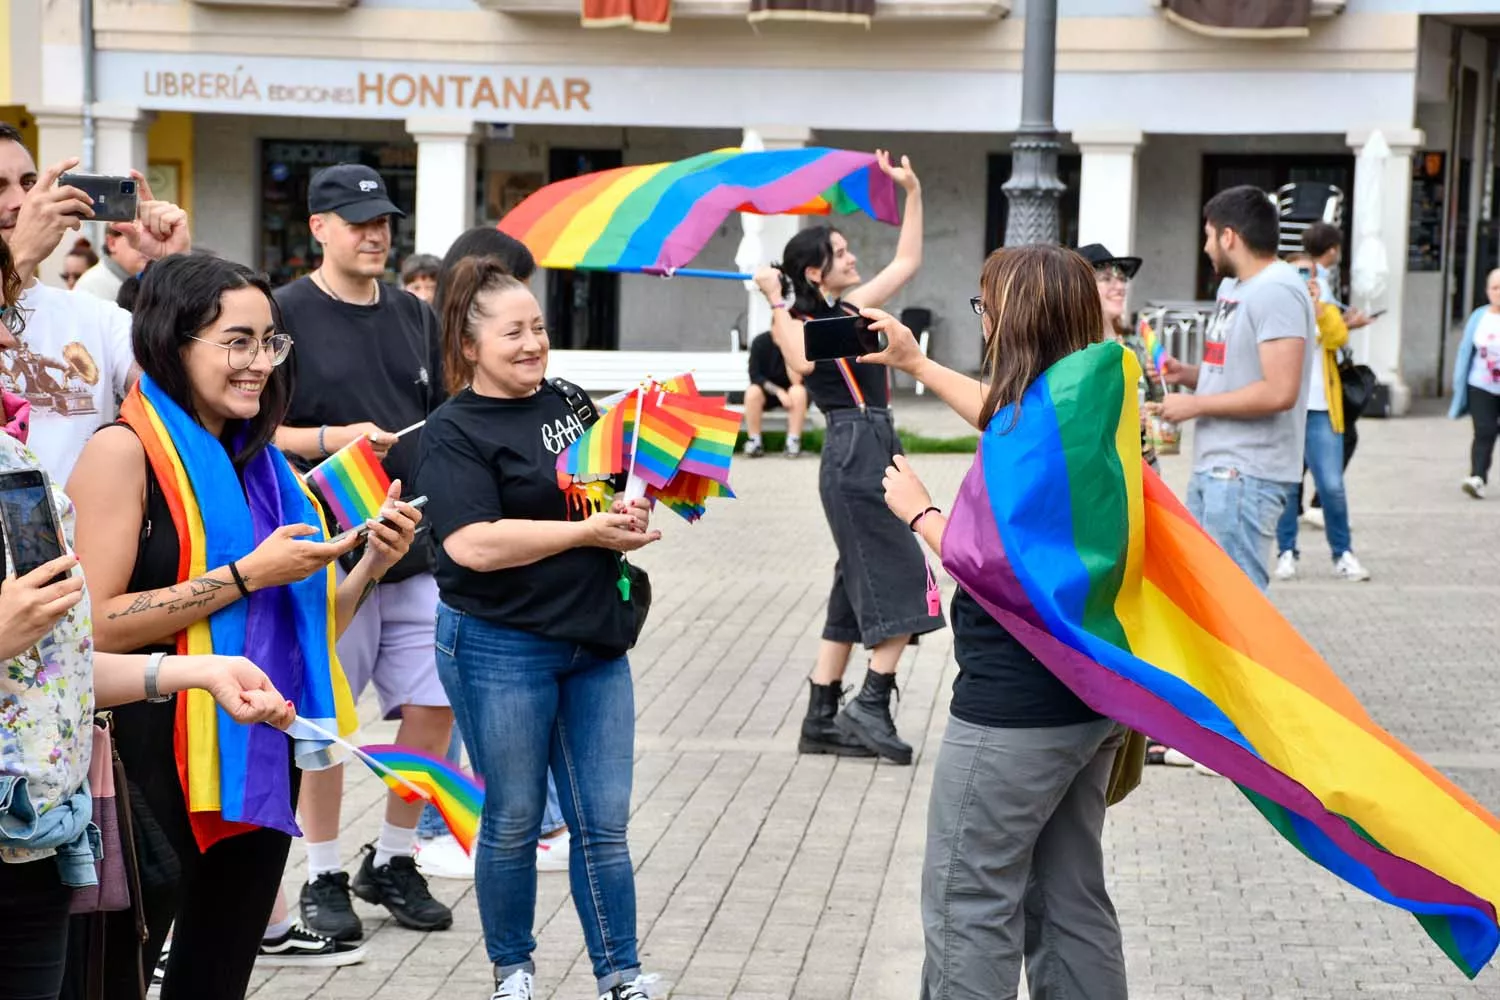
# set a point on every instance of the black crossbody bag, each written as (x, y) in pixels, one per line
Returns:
(635, 585)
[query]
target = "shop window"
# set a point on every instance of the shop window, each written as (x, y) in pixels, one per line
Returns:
(287, 249)
(997, 206)
(1269, 173)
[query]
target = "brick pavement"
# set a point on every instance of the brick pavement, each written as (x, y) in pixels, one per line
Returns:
(764, 875)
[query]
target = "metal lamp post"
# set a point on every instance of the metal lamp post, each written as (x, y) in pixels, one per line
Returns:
(1034, 188)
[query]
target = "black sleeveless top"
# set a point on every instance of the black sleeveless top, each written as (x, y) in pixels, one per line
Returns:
(827, 386)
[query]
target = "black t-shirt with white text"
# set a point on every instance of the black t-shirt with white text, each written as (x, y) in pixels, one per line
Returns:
(484, 459)
(380, 363)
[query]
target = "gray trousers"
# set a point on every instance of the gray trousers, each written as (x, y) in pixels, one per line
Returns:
(1015, 868)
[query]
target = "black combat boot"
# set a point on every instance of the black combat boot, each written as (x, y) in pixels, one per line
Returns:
(819, 734)
(868, 719)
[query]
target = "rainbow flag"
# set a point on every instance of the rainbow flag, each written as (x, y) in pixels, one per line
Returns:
(352, 482)
(687, 494)
(716, 430)
(600, 452)
(1088, 559)
(1153, 344)
(662, 439)
(417, 776)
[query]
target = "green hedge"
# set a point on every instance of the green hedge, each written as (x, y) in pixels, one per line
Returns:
(915, 444)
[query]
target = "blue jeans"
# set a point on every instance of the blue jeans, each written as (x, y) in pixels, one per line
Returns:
(1240, 513)
(431, 824)
(526, 703)
(1325, 460)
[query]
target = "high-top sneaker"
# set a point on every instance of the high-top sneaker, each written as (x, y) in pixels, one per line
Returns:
(868, 719)
(819, 734)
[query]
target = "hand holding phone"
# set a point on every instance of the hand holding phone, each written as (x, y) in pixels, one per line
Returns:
(115, 198)
(840, 337)
(32, 604)
(364, 529)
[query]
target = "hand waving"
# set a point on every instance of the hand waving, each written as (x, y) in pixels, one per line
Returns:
(904, 175)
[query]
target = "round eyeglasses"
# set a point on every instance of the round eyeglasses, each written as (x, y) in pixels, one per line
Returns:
(244, 350)
(1111, 273)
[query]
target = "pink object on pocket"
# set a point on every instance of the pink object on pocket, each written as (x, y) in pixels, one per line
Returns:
(17, 416)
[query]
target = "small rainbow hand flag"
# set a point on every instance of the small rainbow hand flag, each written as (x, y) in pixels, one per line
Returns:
(1154, 348)
(352, 482)
(418, 776)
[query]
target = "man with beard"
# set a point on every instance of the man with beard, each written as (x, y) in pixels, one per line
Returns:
(1250, 397)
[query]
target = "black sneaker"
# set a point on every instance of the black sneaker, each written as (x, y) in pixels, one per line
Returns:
(304, 949)
(328, 910)
(400, 888)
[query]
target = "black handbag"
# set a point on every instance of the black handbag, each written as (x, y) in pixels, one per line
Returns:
(635, 584)
(1359, 384)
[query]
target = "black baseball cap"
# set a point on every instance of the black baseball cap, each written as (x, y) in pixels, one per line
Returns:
(352, 191)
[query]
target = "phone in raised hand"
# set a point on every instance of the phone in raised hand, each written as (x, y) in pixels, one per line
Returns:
(32, 535)
(364, 529)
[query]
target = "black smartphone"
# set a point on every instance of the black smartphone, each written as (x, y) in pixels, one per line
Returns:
(840, 337)
(32, 535)
(1377, 315)
(364, 529)
(115, 198)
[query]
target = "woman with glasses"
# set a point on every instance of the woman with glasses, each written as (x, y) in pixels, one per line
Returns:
(187, 512)
(882, 592)
(1113, 276)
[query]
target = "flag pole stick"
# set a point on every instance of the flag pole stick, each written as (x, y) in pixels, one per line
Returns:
(407, 430)
(371, 762)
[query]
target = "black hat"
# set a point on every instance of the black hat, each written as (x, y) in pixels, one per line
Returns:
(1096, 254)
(354, 191)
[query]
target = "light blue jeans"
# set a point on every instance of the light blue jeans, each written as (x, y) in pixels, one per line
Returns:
(431, 824)
(1325, 460)
(1240, 513)
(525, 704)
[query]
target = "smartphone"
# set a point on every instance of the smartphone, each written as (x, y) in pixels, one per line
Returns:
(1377, 315)
(115, 198)
(840, 337)
(1305, 272)
(364, 529)
(32, 535)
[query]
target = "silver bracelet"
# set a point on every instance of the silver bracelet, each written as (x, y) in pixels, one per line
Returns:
(153, 667)
(322, 446)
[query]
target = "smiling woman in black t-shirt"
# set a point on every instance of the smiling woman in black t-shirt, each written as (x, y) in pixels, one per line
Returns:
(532, 628)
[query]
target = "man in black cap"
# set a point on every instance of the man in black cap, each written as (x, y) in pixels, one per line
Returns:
(369, 359)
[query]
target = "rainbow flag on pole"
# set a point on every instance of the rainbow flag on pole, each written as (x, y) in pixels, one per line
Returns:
(352, 482)
(417, 776)
(1154, 349)
(1090, 561)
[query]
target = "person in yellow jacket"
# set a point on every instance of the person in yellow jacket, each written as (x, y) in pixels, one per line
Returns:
(1324, 451)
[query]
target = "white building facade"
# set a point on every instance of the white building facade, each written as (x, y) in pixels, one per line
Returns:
(467, 105)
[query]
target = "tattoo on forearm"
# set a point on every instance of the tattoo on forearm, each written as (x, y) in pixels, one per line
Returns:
(181, 597)
(364, 595)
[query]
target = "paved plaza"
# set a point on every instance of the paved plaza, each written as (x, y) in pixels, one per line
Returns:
(765, 875)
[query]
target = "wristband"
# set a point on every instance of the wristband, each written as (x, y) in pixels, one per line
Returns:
(777, 305)
(153, 668)
(239, 581)
(323, 445)
(918, 519)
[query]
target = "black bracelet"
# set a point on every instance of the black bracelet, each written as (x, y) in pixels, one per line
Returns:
(239, 581)
(930, 510)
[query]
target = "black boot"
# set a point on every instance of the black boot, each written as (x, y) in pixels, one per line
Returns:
(868, 719)
(819, 734)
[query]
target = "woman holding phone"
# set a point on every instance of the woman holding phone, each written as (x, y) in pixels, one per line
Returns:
(248, 559)
(882, 591)
(52, 682)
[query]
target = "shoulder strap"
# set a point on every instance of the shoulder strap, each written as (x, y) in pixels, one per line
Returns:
(152, 487)
(578, 401)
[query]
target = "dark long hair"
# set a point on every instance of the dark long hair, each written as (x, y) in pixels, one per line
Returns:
(811, 247)
(483, 241)
(10, 281)
(1042, 304)
(470, 278)
(180, 297)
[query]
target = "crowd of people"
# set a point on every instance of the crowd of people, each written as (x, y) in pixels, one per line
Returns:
(174, 401)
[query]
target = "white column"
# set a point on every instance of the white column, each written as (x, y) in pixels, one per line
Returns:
(1107, 189)
(1379, 344)
(120, 138)
(59, 135)
(445, 180)
(775, 230)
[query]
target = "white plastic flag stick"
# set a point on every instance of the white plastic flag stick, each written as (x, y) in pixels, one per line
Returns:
(407, 430)
(371, 761)
(635, 486)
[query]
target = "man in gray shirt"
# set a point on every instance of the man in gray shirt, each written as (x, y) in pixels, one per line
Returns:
(1250, 396)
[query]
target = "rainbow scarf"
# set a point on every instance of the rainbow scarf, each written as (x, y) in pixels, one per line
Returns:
(236, 778)
(1095, 567)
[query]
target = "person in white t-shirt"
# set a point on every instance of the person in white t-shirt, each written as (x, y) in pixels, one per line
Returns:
(74, 359)
(120, 263)
(1476, 385)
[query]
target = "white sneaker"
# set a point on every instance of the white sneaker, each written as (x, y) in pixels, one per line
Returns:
(1314, 517)
(1206, 771)
(1286, 565)
(637, 989)
(552, 853)
(1176, 758)
(1348, 568)
(444, 857)
(1474, 486)
(517, 986)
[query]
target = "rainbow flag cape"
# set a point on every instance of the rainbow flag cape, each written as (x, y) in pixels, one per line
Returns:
(415, 776)
(1088, 559)
(236, 778)
(655, 218)
(352, 482)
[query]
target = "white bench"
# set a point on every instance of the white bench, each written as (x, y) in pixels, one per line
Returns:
(715, 372)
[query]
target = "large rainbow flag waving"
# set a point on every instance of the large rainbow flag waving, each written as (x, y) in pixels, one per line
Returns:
(1089, 560)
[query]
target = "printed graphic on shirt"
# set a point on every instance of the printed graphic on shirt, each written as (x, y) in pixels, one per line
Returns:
(1489, 355)
(63, 385)
(584, 500)
(561, 432)
(1218, 331)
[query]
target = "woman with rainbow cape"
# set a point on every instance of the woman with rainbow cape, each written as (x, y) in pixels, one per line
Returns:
(197, 537)
(1080, 573)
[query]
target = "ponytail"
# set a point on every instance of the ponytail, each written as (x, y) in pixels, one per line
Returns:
(470, 278)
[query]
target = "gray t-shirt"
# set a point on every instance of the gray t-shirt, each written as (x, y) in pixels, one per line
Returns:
(1273, 305)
